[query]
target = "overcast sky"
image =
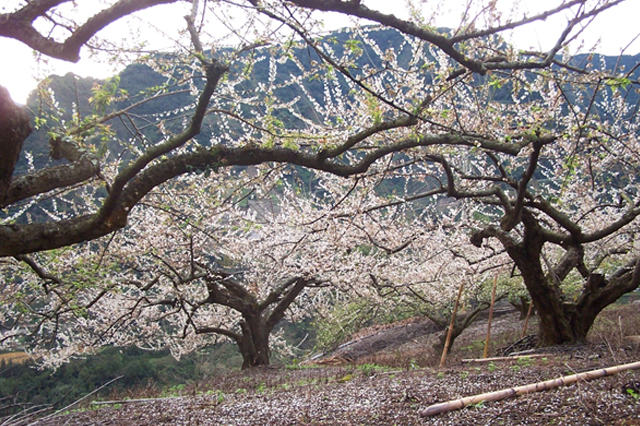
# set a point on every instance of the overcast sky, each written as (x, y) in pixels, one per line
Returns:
(614, 30)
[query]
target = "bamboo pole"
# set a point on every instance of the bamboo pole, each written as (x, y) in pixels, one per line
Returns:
(493, 301)
(456, 404)
(447, 342)
(526, 320)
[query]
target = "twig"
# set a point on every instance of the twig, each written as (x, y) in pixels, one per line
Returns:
(24, 416)
(525, 352)
(73, 404)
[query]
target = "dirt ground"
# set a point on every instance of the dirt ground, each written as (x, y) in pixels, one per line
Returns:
(363, 392)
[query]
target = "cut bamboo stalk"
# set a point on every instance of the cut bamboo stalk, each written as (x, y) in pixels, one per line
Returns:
(447, 342)
(456, 404)
(493, 301)
(504, 358)
(526, 320)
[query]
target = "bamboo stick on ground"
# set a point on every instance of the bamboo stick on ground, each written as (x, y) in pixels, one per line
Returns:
(456, 404)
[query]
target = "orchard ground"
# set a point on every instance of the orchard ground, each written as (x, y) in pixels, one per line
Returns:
(390, 386)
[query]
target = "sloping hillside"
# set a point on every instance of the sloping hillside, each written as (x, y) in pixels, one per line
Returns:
(371, 394)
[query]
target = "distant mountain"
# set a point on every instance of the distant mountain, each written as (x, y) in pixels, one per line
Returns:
(302, 95)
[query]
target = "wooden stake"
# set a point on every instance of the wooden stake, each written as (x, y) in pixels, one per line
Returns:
(450, 332)
(455, 404)
(493, 301)
(526, 320)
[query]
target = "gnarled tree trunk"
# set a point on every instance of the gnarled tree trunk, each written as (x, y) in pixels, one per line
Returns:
(562, 321)
(15, 126)
(258, 317)
(254, 342)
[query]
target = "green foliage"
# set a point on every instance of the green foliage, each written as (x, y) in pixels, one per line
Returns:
(371, 369)
(374, 108)
(633, 393)
(175, 390)
(346, 318)
(261, 388)
(477, 405)
(618, 83)
(525, 361)
(107, 93)
(139, 368)
(345, 379)
(353, 46)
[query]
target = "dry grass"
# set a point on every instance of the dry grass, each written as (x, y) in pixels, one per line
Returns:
(15, 357)
(616, 323)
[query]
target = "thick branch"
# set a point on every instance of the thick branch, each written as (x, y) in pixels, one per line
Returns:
(571, 259)
(511, 219)
(225, 291)
(19, 25)
(276, 294)
(56, 177)
(217, 330)
(604, 232)
(214, 72)
(447, 44)
(601, 293)
(44, 275)
(278, 311)
(493, 231)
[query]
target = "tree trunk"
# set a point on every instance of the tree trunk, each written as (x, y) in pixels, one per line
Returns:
(554, 317)
(438, 347)
(254, 345)
(460, 325)
(561, 323)
(546, 296)
(15, 126)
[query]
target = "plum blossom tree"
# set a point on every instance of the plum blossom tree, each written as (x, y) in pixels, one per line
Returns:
(538, 149)
(229, 256)
(566, 210)
(197, 265)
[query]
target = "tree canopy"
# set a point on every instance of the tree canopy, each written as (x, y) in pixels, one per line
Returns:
(470, 50)
(533, 153)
